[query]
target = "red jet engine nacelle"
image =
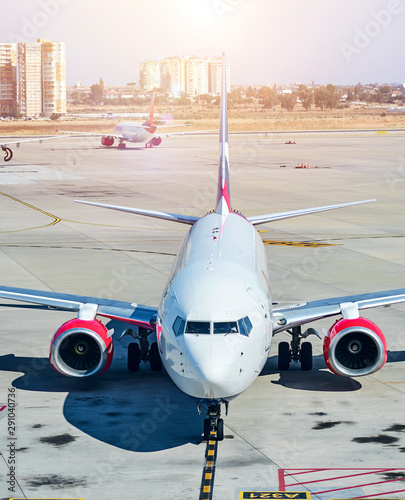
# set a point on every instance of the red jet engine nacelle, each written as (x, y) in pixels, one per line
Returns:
(107, 140)
(354, 347)
(81, 348)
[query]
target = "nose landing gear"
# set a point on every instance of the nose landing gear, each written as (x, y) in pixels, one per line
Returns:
(213, 423)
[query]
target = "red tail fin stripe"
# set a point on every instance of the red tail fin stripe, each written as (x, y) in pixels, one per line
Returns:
(225, 194)
(149, 121)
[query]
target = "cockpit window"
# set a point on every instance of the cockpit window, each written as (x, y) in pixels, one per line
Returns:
(245, 326)
(198, 327)
(225, 327)
(178, 326)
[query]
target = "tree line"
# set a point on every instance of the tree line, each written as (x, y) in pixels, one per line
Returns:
(324, 97)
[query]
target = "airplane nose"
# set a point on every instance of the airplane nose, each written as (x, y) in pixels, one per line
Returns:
(214, 365)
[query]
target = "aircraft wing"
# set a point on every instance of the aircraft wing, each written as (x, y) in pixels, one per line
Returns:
(173, 125)
(349, 306)
(89, 134)
(20, 141)
(143, 316)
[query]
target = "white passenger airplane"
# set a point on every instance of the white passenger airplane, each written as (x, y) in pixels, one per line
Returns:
(131, 131)
(123, 132)
(215, 322)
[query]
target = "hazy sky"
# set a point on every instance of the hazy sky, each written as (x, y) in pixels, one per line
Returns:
(266, 41)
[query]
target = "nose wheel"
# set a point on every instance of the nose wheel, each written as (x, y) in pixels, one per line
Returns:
(213, 423)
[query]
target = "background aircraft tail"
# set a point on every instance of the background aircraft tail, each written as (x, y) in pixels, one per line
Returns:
(149, 121)
(223, 205)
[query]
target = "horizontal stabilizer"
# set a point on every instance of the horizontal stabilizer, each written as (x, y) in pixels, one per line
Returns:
(262, 219)
(184, 219)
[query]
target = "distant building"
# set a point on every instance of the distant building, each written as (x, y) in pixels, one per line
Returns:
(197, 76)
(173, 74)
(29, 71)
(32, 78)
(149, 75)
(215, 75)
(8, 78)
(53, 77)
(191, 75)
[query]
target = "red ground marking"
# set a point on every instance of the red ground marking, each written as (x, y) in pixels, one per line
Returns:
(281, 481)
(285, 473)
(361, 486)
(2, 408)
(373, 471)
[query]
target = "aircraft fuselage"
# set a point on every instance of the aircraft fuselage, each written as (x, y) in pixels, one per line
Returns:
(133, 132)
(214, 324)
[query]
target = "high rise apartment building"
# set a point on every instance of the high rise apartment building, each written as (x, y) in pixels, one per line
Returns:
(187, 74)
(29, 93)
(173, 74)
(197, 76)
(33, 78)
(8, 82)
(215, 75)
(53, 57)
(149, 75)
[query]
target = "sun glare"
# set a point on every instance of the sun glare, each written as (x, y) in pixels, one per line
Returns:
(199, 11)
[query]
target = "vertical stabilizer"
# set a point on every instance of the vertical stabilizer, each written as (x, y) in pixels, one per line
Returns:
(223, 198)
(149, 121)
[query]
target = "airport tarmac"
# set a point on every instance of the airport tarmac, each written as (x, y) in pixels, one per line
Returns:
(135, 435)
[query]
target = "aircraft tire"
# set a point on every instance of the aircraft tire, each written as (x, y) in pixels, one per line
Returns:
(306, 356)
(134, 357)
(154, 358)
(284, 356)
(220, 430)
(207, 429)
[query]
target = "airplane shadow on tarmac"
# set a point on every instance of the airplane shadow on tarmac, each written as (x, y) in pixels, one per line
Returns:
(91, 148)
(141, 412)
(319, 378)
(145, 411)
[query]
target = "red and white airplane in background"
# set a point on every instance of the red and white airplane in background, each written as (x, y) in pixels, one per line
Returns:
(123, 132)
(131, 131)
(213, 327)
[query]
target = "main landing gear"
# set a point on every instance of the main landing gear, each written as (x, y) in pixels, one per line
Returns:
(213, 423)
(122, 145)
(295, 351)
(143, 351)
(155, 141)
